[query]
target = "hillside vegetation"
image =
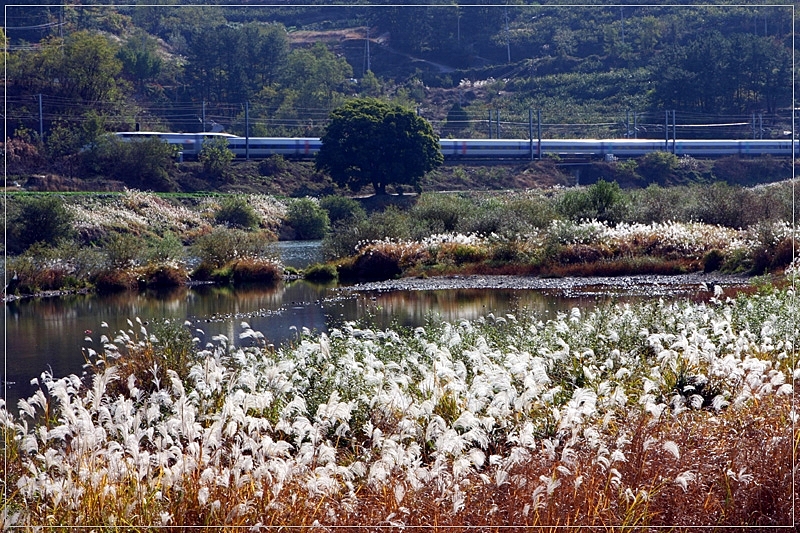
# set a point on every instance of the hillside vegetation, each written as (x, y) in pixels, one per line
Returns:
(75, 72)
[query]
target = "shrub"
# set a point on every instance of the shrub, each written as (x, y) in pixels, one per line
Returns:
(216, 157)
(275, 164)
(713, 260)
(252, 270)
(308, 220)
(237, 213)
(123, 250)
(140, 164)
(113, 280)
(374, 265)
(718, 203)
(439, 213)
(321, 273)
(343, 241)
(39, 220)
(657, 166)
(167, 248)
(223, 245)
(601, 201)
(342, 209)
(162, 275)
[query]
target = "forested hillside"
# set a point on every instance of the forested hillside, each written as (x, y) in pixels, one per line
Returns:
(74, 72)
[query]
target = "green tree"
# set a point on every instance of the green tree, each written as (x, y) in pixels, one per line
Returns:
(216, 156)
(317, 75)
(140, 59)
(371, 142)
(307, 218)
(142, 164)
(39, 220)
(235, 212)
(81, 66)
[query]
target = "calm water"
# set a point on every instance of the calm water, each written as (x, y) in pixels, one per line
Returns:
(51, 333)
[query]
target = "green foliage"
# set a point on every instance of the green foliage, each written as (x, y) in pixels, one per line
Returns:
(123, 250)
(321, 273)
(235, 212)
(388, 224)
(39, 220)
(317, 76)
(656, 167)
(142, 164)
(232, 64)
(139, 57)
(372, 142)
(438, 213)
(216, 157)
(307, 218)
(166, 248)
(601, 201)
(223, 245)
(273, 165)
(342, 209)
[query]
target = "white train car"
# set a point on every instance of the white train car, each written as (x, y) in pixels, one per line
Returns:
(190, 145)
(262, 147)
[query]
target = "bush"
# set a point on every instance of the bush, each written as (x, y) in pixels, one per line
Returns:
(223, 245)
(438, 213)
(657, 166)
(321, 273)
(167, 248)
(123, 250)
(342, 209)
(273, 165)
(235, 212)
(377, 265)
(140, 164)
(308, 220)
(39, 220)
(342, 242)
(713, 260)
(162, 276)
(720, 204)
(602, 201)
(250, 270)
(216, 157)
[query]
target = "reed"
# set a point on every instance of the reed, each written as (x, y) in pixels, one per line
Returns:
(628, 417)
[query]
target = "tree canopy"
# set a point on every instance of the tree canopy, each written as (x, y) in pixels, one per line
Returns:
(369, 141)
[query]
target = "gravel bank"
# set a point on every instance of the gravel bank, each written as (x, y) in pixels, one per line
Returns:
(645, 285)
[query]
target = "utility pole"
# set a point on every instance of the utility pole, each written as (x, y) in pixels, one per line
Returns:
(367, 53)
(530, 130)
(508, 38)
(674, 134)
(41, 121)
(247, 131)
(539, 127)
(204, 116)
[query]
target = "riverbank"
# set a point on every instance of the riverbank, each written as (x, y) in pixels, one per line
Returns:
(638, 285)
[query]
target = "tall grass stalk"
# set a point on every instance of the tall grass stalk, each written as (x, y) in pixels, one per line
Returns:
(663, 414)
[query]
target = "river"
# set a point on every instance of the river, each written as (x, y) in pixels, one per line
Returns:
(51, 333)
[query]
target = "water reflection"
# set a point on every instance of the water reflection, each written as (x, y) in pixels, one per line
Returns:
(50, 333)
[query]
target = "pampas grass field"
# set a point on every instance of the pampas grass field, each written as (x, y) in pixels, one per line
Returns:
(673, 415)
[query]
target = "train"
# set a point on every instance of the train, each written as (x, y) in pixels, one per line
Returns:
(190, 144)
